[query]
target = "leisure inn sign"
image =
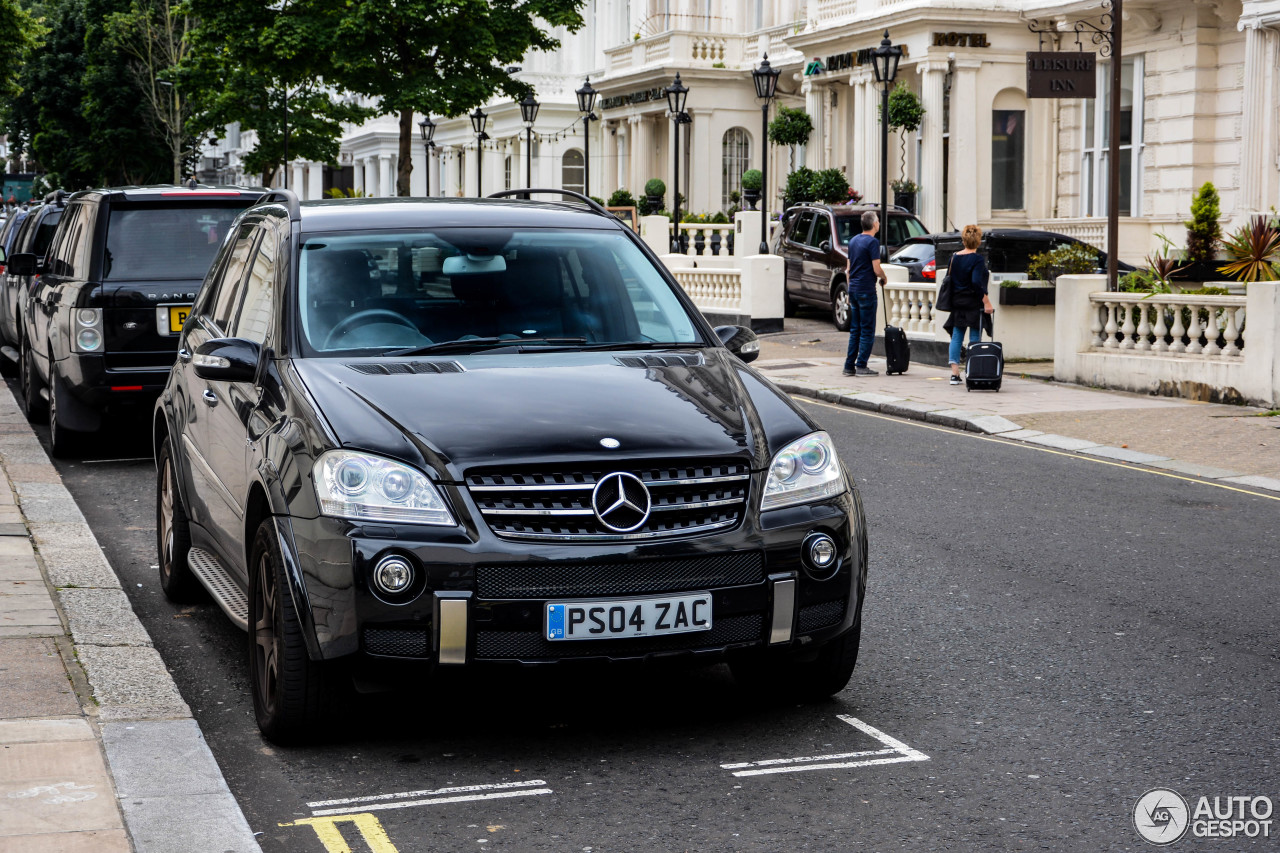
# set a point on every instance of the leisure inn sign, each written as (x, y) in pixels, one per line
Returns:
(1061, 74)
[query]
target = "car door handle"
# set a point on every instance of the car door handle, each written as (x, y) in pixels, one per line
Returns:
(210, 398)
(184, 355)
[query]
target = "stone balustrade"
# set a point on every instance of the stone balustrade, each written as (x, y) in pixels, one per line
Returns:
(712, 290)
(1175, 325)
(747, 294)
(707, 239)
(910, 307)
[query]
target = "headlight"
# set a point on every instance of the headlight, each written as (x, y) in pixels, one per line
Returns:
(89, 339)
(804, 471)
(369, 488)
(88, 316)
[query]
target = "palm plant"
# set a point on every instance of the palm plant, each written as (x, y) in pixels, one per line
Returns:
(1254, 250)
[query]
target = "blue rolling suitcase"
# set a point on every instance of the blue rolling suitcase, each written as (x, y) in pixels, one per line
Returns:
(985, 366)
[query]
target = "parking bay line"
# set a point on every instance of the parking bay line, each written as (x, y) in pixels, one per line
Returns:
(439, 796)
(895, 752)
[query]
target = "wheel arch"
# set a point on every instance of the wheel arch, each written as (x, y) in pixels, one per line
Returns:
(260, 507)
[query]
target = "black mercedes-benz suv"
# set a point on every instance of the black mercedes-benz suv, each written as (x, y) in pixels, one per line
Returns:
(441, 433)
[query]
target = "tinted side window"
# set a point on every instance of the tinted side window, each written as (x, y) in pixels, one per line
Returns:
(821, 230)
(227, 292)
(254, 318)
(800, 230)
(897, 231)
(67, 246)
(44, 232)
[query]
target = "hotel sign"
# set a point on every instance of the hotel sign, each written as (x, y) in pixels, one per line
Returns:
(643, 96)
(1061, 74)
(854, 58)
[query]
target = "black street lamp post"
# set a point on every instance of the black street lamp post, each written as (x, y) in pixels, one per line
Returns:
(478, 119)
(586, 106)
(427, 128)
(766, 79)
(886, 59)
(677, 93)
(529, 112)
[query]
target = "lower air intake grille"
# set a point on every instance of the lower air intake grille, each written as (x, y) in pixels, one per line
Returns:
(594, 579)
(821, 615)
(398, 643)
(529, 645)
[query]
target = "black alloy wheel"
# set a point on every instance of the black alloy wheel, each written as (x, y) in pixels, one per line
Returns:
(63, 442)
(294, 698)
(173, 535)
(840, 308)
(28, 385)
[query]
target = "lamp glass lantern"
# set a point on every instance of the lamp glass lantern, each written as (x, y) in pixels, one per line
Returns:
(886, 58)
(587, 97)
(529, 109)
(478, 120)
(427, 128)
(677, 93)
(766, 80)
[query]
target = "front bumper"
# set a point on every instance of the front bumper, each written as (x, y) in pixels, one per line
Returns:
(482, 599)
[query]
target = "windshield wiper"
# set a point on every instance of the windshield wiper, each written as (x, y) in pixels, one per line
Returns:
(483, 343)
(646, 345)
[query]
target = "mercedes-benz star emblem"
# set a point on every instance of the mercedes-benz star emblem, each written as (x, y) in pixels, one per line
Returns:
(621, 501)
(610, 443)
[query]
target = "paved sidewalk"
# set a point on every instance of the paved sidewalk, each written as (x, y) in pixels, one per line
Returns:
(98, 752)
(1231, 444)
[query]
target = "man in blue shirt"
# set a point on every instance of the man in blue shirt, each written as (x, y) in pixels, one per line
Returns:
(862, 272)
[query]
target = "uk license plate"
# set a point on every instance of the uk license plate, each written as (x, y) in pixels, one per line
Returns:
(615, 619)
(169, 318)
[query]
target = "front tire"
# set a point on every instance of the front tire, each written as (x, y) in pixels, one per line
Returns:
(294, 697)
(841, 311)
(173, 534)
(28, 385)
(63, 442)
(788, 304)
(810, 680)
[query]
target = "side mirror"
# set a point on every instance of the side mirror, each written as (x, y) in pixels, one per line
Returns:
(740, 341)
(825, 246)
(23, 263)
(227, 360)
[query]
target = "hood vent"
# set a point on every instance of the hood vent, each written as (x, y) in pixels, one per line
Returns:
(693, 359)
(386, 368)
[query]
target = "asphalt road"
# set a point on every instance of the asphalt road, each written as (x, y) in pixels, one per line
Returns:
(1052, 635)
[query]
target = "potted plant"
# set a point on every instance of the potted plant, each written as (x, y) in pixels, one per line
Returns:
(1069, 259)
(1204, 236)
(791, 128)
(752, 183)
(829, 186)
(654, 190)
(1254, 251)
(904, 193)
(904, 115)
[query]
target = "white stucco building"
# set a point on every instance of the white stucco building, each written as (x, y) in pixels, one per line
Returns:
(1201, 103)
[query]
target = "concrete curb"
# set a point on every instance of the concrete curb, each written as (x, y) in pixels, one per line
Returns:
(169, 788)
(989, 424)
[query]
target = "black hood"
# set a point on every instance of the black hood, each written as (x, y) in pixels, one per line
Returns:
(529, 408)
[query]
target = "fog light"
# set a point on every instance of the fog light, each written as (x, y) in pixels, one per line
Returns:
(820, 555)
(89, 339)
(393, 575)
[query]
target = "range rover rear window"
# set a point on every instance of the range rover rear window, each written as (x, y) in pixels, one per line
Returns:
(166, 241)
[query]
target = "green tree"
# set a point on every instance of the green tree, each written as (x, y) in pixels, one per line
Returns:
(790, 127)
(1204, 232)
(20, 33)
(441, 57)
(271, 67)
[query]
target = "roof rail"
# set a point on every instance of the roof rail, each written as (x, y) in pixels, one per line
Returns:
(286, 197)
(526, 193)
(56, 197)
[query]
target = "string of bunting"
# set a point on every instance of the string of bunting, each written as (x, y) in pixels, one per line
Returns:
(571, 129)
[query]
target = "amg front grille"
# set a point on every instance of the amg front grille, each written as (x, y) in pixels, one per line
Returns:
(685, 497)
(547, 580)
(395, 642)
(530, 646)
(821, 615)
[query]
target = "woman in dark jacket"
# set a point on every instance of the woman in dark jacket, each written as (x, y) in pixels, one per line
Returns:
(969, 300)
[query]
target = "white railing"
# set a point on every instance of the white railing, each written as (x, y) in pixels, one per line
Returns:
(910, 307)
(1210, 327)
(697, 232)
(712, 290)
(1089, 229)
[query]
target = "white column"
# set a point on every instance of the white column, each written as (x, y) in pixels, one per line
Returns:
(1254, 117)
(875, 191)
(620, 172)
(964, 143)
(641, 151)
(813, 106)
(418, 177)
(315, 180)
(297, 182)
(372, 181)
(358, 175)
(931, 189)
(386, 176)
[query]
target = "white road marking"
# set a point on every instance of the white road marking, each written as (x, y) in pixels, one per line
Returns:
(438, 796)
(896, 752)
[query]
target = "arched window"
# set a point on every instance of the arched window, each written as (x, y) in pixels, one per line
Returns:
(573, 171)
(506, 173)
(735, 159)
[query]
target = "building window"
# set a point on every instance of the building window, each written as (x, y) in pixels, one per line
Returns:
(735, 159)
(1097, 126)
(1008, 151)
(506, 173)
(573, 171)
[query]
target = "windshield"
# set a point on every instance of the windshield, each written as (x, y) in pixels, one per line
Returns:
(392, 292)
(166, 241)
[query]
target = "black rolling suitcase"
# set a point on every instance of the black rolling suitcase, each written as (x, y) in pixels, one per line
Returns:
(985, 366)
(897, 350)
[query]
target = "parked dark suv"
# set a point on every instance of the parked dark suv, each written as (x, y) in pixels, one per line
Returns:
(408, 435)
(101, 324)
(1007, 250)
(813, 240)
(31, 233)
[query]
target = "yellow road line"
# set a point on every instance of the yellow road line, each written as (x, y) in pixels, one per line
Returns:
(1128, 466)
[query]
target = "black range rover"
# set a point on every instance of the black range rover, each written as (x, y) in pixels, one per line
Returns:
(100, 327)
(450, 433)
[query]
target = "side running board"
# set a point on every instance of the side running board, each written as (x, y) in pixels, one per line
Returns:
(224, 589)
